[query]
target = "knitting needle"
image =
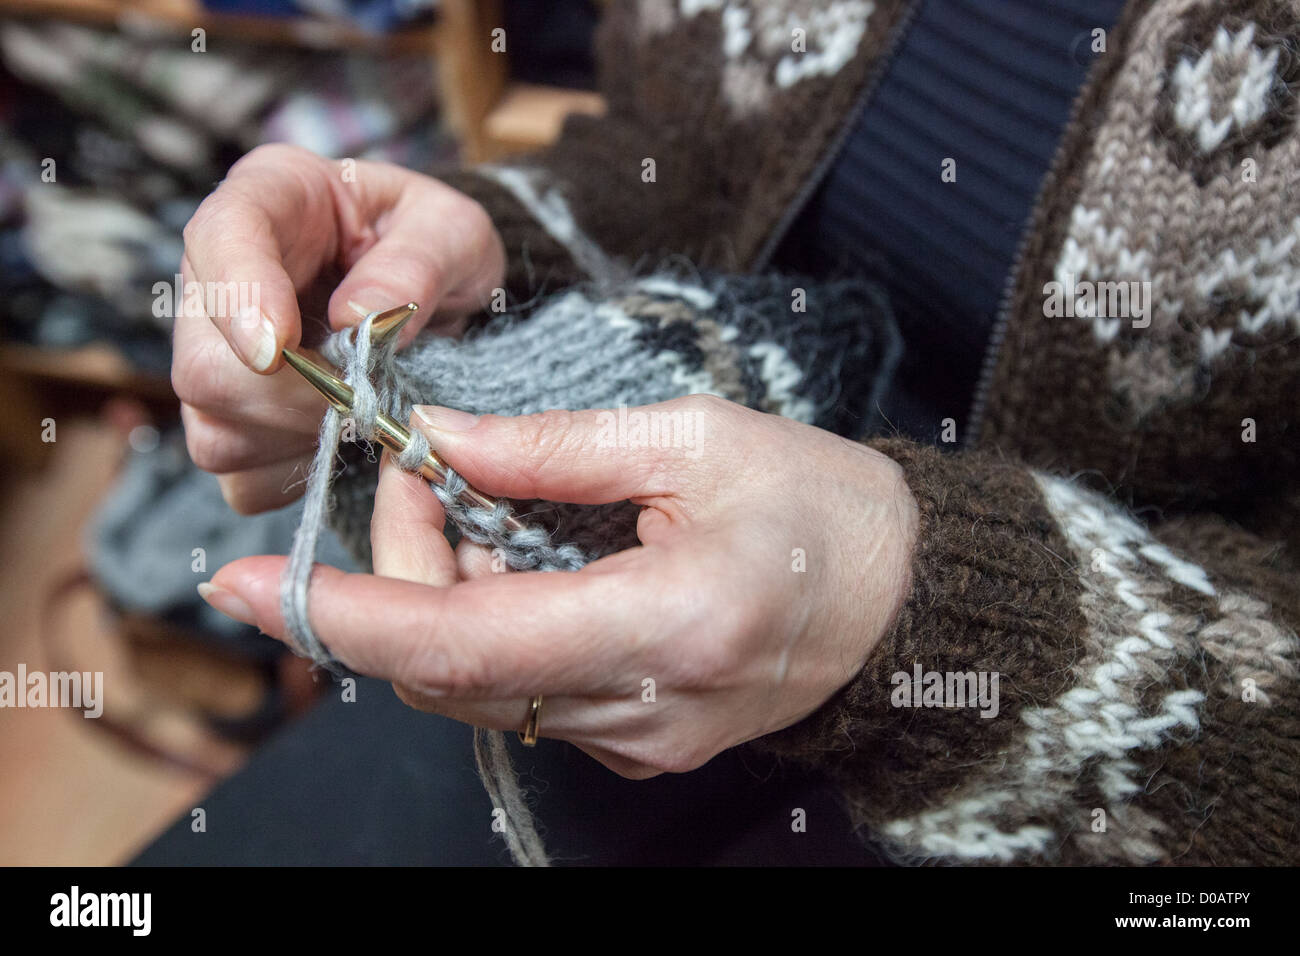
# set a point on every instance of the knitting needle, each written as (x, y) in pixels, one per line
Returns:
(386, 324)
(391, 433)
(394, 436)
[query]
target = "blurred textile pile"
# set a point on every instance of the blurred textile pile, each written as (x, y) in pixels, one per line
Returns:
(368, 14)
(109, 141)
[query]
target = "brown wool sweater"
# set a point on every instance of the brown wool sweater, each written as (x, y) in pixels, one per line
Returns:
(1118, 537)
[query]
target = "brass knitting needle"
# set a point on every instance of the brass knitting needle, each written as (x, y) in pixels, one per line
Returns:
(394, 436)
(387, 324)
(391, 433)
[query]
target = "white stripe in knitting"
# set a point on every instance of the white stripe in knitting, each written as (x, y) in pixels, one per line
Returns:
(1232, 56)
(1270, 275)
(1254, 647)
(759, 42)
(1093, 730)
(782, 378)
(837, 31)
(779, 373)
(692, 7)
(735, 32)
(550, 209)
(701, 298)
(686, 380)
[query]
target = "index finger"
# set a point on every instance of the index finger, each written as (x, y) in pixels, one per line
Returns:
(262, 235)
(594, 632)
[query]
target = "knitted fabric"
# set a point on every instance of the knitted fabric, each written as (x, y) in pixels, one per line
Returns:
(772, 343)
(644, 341)
(1181, 178)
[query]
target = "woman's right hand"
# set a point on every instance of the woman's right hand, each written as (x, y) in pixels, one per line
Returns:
(281, 225)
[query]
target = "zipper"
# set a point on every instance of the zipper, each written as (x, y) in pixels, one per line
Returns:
(993, 351)
(823, 165)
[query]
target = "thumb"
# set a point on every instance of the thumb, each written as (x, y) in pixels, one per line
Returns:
(593, 456)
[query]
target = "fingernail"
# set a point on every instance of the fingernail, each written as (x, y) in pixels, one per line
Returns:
(228, 603)
(368, 300)
(267, 346)
(445, 419)
(257, 342)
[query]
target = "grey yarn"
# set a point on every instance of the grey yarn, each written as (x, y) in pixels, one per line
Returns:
(296, 575)
(642, 342)
(527, 549)
(302, 555)
(502, 784)
(160, 517)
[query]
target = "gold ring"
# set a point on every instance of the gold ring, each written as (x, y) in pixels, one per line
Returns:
(528, 736)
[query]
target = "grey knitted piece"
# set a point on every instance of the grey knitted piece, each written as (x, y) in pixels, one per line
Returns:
(646, 341)
(142, 544)
(640, 343)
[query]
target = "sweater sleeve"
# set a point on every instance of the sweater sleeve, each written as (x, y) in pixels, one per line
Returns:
(708, 141)
(540, 238)
(1066, 684)
(580, 209)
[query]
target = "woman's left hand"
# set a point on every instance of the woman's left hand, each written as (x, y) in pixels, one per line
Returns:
(774, 557)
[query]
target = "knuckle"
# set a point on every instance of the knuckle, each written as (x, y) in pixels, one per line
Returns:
(238, 495)
(709, 407)
(479, 224)
(451, 672)
(703, 402)
(413, 698)
(711, 644)
(203, 222)
(207, 446)
(223, 224)
(672, 757)
(407, 264)
(543, 437)
(634, 771)
(187, 377)
(486, 247)
(200, 376)
(619, 759)
(272, 154)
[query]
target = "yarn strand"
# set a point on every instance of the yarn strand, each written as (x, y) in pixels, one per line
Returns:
(502, 785)
(529, 549)
(296, 576)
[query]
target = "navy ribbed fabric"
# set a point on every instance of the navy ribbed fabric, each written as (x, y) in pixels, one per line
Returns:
(989, 84)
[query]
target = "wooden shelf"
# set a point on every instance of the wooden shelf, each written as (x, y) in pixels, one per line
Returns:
(529, 117)
(97, 366)
(39, 383)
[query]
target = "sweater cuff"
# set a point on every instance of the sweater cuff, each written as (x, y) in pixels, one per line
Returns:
(990, 599)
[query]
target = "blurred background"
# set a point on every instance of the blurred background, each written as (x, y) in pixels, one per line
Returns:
(116, 119)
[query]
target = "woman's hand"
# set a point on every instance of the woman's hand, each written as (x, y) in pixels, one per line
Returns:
(283, 225)
(773, 558)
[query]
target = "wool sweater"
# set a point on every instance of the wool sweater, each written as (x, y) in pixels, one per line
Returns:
(1115, 532)
(986, 87)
